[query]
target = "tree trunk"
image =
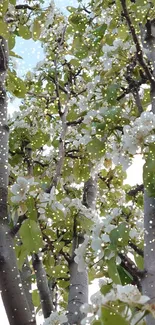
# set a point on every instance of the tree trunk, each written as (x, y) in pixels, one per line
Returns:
(14, 300)
(26, 283)
(78, 289)
(42, 285)
(78, 293)
(148, 282)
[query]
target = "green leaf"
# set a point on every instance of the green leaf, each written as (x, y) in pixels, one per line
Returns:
(78, 20)
(31, 236)
(100, 31)
(50, 233)
(112, 93)
(21, 253)
(120, 235)
(20, 90)
(112, 270)
(100, 127)
(39, 139)
(111, 115)
(114, 236)
(71, 9)
(35, 298)
(123, 32)
(139, 261)
(3, 7)
(125, 277)
(16, 85)
(110, 317)
(32, 212)
(4, 31)
(123, 230)
(11, 42)
(36, 30)
(106, 288)
(96, 148)
(24, 32)
(81, 170)
(79, 47)
(15, 55)
(75, 63)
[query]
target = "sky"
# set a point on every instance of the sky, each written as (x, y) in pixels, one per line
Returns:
(32, 52)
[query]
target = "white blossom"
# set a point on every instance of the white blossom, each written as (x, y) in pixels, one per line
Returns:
(96, 298)
(96, 244)
(130, 294)
(133, 233)
(104, 281)
(86, 308)
(55, 319)
(105, 238)
(80, 252)
(21, 188)
(52, 195)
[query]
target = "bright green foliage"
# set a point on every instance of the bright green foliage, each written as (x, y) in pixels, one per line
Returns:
(31, 236)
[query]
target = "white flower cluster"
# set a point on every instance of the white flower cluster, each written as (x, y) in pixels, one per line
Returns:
(45, 199)
(80, 252)
(49, 19)
(116, 153)
(90, 115)
(98, 240)
(87, 212)
(139, 133)
(128, 294)
(98, 166)
(137, 230)
(21, 188)
(108, 58)
(55, 319)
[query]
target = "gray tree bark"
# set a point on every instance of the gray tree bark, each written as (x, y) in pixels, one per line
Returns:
(42, 285)
(26, 283)
(148, 282)
(78, 289)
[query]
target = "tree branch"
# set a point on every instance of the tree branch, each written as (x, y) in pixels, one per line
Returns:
(130, 266)
(74, 123)
(136, 248)
(42, 285)
(16, 228)
(135, 191)
(138, 47)
(24, 6)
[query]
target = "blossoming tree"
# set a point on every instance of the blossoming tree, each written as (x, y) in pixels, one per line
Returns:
(69, 218)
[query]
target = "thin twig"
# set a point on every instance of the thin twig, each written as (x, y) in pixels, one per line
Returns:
(129, 265)
(135, 191)
(137, 44)
(74, 123)
(24, 6)
(136, 249)
(16, 228)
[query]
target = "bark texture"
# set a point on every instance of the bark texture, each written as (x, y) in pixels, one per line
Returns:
(42, 285)
(148, 282)
(78, 290)
(26, 283)
(78, 293)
